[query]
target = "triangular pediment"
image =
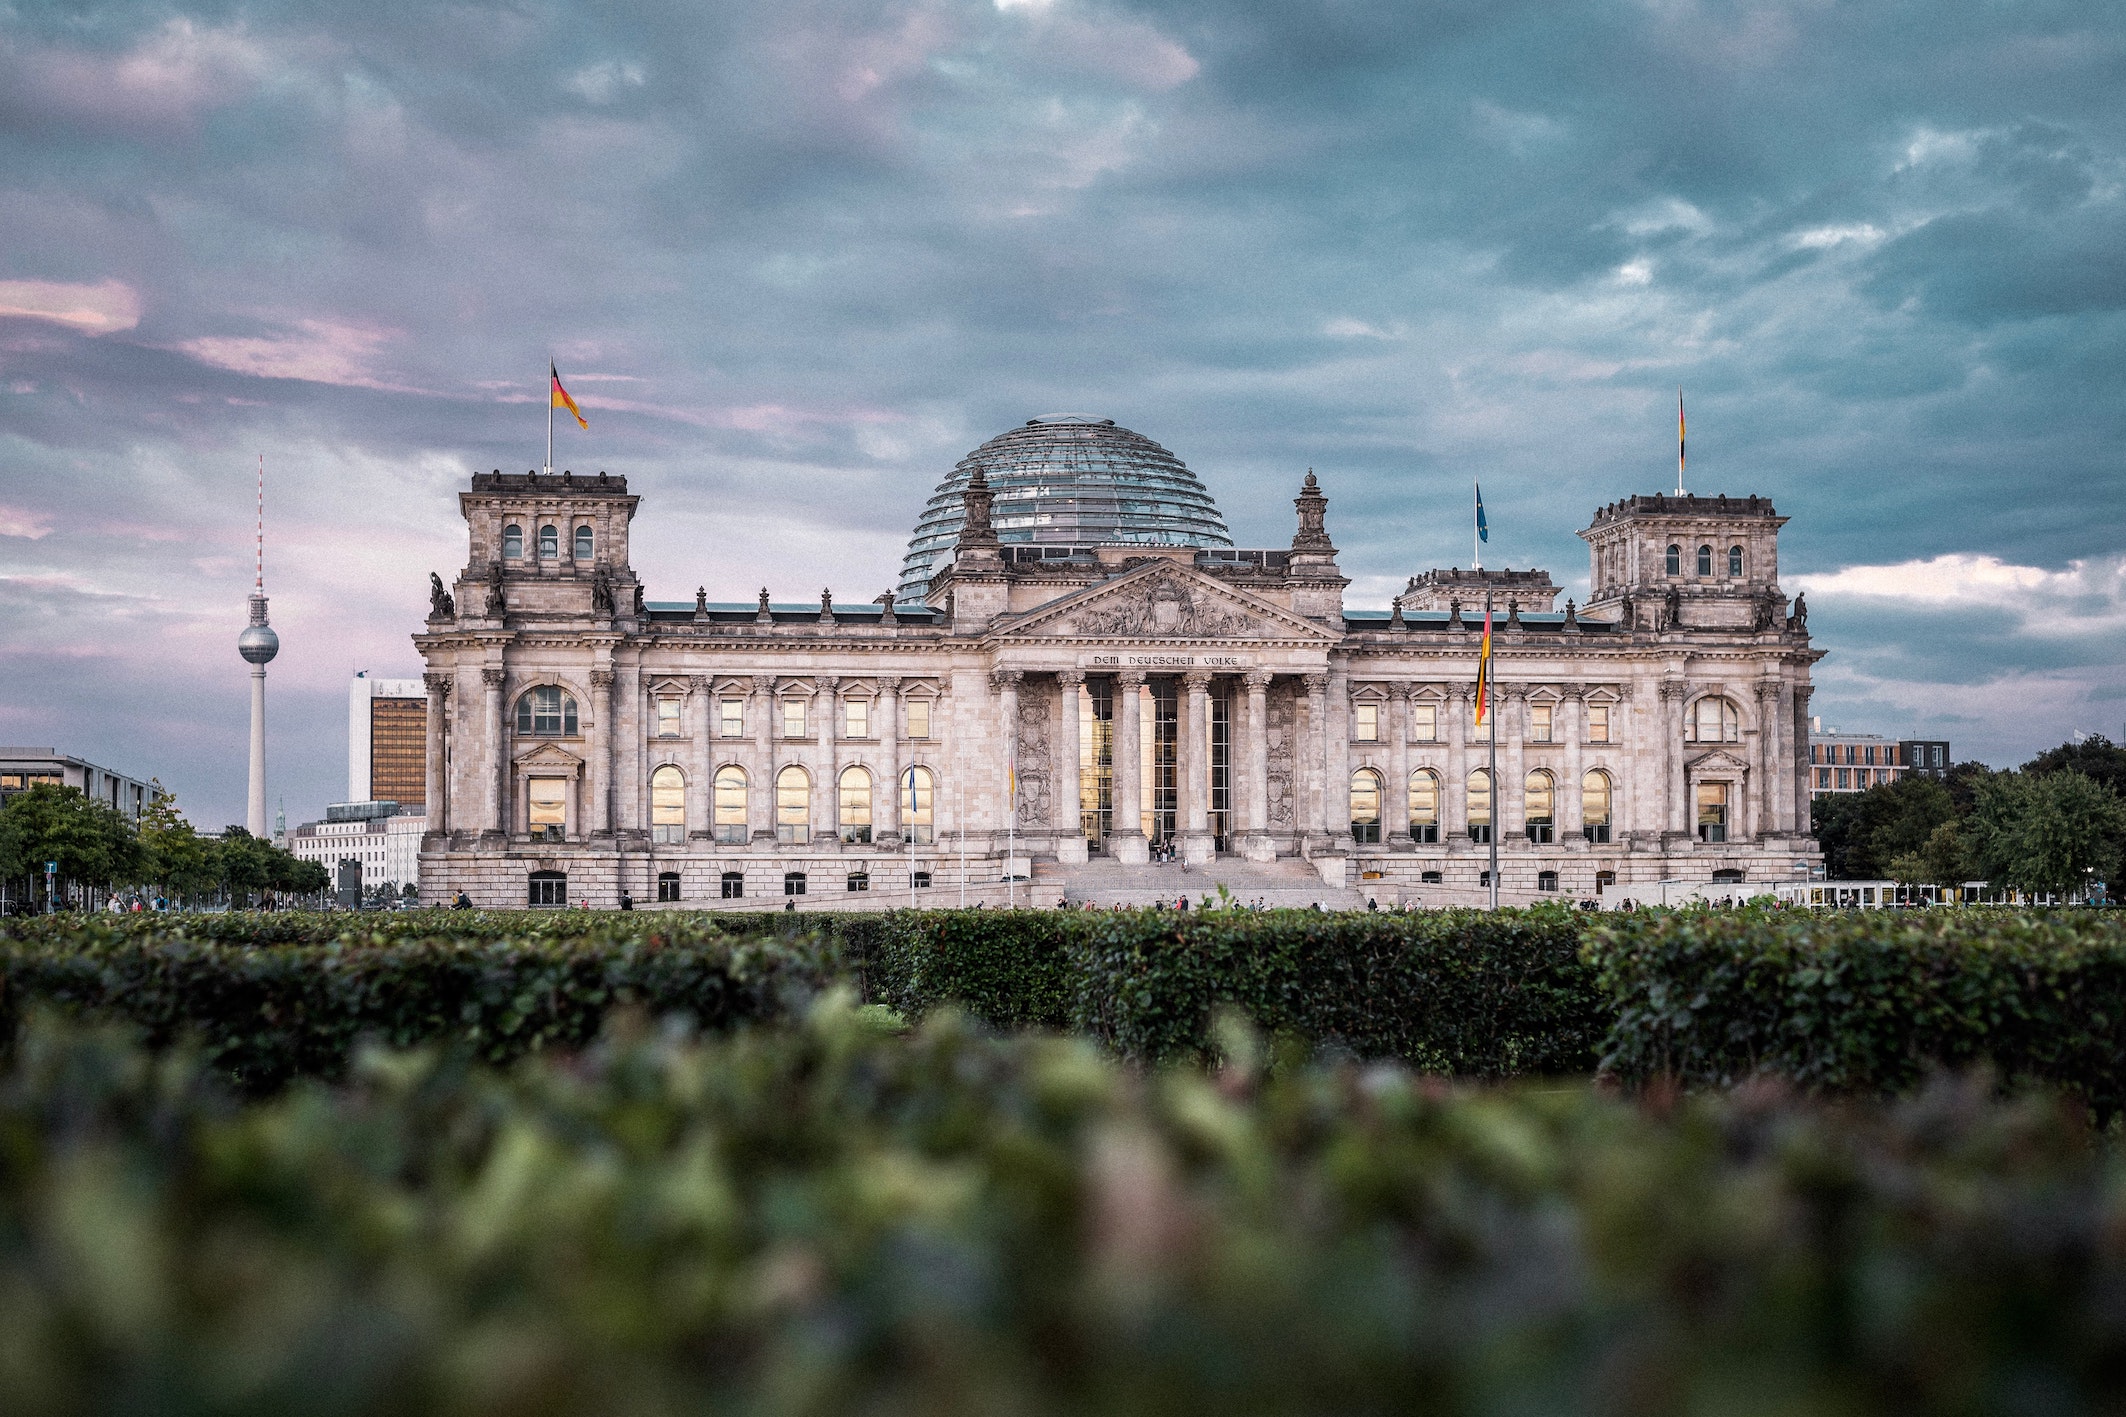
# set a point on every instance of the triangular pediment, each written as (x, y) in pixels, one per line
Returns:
(551, 757)
(1716, 760)
(1164, 601)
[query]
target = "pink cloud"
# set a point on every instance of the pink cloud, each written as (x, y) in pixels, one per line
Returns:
(20, 521)
(166, 81)
(100, 309)
(318, 351)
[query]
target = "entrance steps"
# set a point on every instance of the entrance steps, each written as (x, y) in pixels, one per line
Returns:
(1275, 884)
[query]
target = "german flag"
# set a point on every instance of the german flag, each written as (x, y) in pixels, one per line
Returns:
(560, 399)
(1483, 672)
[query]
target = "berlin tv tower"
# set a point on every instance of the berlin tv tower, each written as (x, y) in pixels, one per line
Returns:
(258, 644)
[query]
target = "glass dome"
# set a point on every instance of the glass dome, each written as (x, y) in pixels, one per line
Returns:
(1068, 480)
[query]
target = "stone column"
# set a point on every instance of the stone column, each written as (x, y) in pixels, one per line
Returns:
(1336, 760)
(496, 718)
(1130, 844)
(601, 754)
(1068, 770)
(1675, 803)
(1572, 724)
(433, 774)
(1397, 805)
(1006, 684)
(1768, 802)
(699, 792)
(1509, 805)
(1454, 793)
(760, 811)
(631, 746)
(1194, 768)
(826, 785)
(1798, 759)
(886, 788)
(1255, 769)
(1313, 751)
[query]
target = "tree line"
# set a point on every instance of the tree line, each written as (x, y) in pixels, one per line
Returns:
(2056, 825)
(100, 851)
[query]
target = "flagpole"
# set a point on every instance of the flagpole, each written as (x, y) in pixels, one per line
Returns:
(1491, 728)
(909, 828)
(1476, 554)
(1679, 442)
(551, 375)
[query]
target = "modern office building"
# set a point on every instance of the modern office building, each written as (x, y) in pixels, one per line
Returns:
(386, 842)
(24, 768)
(1855, 762)
(1084, 673)
(387, 732)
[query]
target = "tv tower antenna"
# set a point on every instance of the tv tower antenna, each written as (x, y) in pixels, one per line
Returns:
(258, 644)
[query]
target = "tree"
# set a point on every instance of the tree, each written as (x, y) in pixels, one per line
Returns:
(1862, 832)
(179, 860)
(1944, 860)
(2095, 757)
(250, 865)
(93, 844)
(2045, 833)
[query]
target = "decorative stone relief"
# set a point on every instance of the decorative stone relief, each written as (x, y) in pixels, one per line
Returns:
(1163, 605)
(1035, 775)
(1282, 735)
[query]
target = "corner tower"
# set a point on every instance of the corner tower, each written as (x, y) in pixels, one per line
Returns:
(1685, 562)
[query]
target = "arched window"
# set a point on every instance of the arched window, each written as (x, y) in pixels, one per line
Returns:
(583, 543)
(855, 797)
(548, 888)
(1714, 720)
(793, 883)
(793, 806)
(1424, 806)
(1594, 806)
(1479, 800)
(1546, 880)
(1536, 807)
(1365, 806)
(668, 805)
(1675, 560)
(918, 799)
(667, 885)
(734, 885)
(512, 542)
(547, 712)
(549, 543)
(1734, 561)
(1705, 560)
(730, 805)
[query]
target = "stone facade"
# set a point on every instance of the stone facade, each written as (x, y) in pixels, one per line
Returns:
(585, 742)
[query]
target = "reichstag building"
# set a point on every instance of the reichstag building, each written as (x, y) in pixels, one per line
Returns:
(1079, 679)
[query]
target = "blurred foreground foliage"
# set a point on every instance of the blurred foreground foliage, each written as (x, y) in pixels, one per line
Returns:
(836, 1215)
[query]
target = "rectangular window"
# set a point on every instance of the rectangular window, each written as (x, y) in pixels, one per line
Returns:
(1845, 778)
(731, 717)
(919, 718)
(1539, 723)
(667, 718)
(1712, 811)
(856, 717)
(1869, 751)
(1823, 777)
(1598, 723)
(793, 718)
(1365, 722)
(546, 807)
(1424, 723)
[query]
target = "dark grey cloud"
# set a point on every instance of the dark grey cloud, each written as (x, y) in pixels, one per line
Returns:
(798, 257)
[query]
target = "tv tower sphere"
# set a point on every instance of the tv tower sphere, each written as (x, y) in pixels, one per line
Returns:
(258, 643)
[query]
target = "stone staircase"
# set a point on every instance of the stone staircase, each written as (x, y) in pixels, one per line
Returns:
(1294, 884)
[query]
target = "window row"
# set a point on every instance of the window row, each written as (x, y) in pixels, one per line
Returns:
(1543, 724)
(548, 711)
(550, 888)
(546, 805)
(1538, 805)
(1705, 561)
(549, 542)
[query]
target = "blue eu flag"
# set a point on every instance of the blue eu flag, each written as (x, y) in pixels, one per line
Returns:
(1483, 532)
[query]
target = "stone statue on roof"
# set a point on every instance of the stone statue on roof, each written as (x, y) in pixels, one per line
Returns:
(440, 604)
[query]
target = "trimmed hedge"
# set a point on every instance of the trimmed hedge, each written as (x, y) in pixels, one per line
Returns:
(1460, 992)
(298, 1003)
(825, 1219)
(1867, 1001)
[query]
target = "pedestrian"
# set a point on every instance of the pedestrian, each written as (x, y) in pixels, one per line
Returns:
(627, 902)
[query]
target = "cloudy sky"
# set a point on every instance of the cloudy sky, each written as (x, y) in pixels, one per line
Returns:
(796, 257)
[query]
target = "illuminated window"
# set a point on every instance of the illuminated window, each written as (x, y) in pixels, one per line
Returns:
(793, 718)
(546, 807)
(1712, 811)
(918, 795)
(1536, 816)
(731, 717)
(856, 718)
(1365, 806)
(1424, 806)
(793, 806)
(1714, 720)
(1365, 722)
(1539, 723)
(667, 718)
(668, 805)
(1424, 723)
(1598, 723)
(1479, 802)
(1594, 806)
(583, 543)
(730, 805)
(855, 795)
(919, 718)
(512, 542)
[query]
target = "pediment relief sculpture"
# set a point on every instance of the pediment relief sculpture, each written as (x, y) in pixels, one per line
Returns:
(1163, 605)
